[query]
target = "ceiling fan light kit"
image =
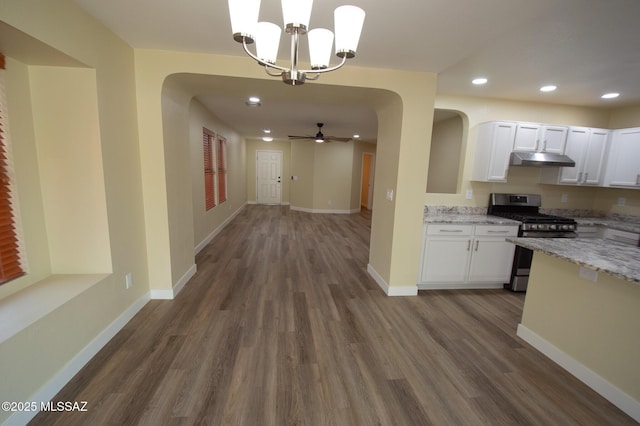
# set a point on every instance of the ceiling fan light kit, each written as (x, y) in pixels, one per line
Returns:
(348, 21)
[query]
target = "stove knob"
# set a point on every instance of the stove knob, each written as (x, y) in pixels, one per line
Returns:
(552, 227)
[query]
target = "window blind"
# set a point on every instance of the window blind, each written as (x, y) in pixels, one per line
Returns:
(10, 259)
(209, 172)
(221, 146)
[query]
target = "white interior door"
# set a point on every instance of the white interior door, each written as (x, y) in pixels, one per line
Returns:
(269, 177)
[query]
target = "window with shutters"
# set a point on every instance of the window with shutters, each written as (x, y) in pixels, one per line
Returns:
(209, 173)
(10, 259)
(215, 168)
(221, 159)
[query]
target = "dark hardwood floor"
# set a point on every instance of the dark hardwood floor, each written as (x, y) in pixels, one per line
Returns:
(282, 325)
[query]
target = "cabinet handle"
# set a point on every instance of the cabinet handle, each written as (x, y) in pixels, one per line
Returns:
(579, 177)
(450, 230)
(477, 242)
(468, 245)
(491, 231)
(544, 145)
(637, 179)
(586, 176)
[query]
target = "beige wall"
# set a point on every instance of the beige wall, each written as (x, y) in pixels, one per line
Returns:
(302, 166)
(332, 176)
(525, 179)
(444, 163)
(623, 118)
(595, 323)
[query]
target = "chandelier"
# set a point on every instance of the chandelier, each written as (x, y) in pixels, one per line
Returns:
(348, 21)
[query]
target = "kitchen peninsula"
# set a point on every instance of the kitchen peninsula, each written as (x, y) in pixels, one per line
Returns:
(582, 310)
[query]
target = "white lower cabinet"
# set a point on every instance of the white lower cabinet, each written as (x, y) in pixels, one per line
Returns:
(466, 256)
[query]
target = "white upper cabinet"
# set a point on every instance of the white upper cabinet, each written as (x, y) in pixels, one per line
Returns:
(493, 149)
(623, 165)
(586, 147)
(533, 137)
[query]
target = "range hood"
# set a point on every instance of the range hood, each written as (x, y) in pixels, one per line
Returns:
(540, 159)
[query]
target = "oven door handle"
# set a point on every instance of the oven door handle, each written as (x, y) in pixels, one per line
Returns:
(538, 234)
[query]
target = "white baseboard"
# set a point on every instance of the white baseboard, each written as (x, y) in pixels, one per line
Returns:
(596, 382)
(53, 386)
(184, 279)
(324, 211)
(391, 290)
(216, 231)
(161, 294)
(286, 203)
(459, 286)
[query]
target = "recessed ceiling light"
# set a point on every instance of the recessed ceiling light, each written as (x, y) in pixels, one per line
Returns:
(549, 88)
(267, 138)
(478, 81)
(356, 136)
(267, 131)
(610, 95)
(253, 101)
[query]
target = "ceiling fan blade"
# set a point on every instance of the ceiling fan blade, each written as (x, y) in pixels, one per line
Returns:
(336, 138)
(301, 137)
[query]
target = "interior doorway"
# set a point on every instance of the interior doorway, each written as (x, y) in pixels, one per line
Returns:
(366, 191)
(269, 177)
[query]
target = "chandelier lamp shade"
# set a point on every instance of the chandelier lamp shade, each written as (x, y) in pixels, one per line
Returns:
(348, 22)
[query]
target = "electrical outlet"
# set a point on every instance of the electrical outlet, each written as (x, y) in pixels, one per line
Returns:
(329, 202)
(469, 194)
(390, 194)
(128, 281)
(564, 198)
(622, 201)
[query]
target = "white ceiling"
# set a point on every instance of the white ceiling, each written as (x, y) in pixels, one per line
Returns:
(585, 47)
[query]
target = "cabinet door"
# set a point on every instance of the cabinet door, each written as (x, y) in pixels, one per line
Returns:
(491, 260)
(500, 152)
(577, 143)
(553, 139)
(526, 137)
(623, 167)
(594, 158)
(445, 259)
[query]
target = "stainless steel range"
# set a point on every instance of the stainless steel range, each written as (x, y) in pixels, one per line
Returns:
(525, 208)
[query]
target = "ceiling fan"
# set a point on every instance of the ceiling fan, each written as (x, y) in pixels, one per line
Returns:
(320, 137)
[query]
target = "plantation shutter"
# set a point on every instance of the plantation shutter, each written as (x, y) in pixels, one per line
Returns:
(10, 264)
(209, 195)
(221, 147)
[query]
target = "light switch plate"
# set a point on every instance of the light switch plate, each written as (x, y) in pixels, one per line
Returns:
(390, 194)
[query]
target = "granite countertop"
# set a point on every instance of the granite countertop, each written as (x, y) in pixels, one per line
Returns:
(470, 219)
(609, 223)
(617, 259)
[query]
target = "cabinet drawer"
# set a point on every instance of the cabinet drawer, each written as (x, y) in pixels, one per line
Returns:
(496, 230)
(451, 230)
